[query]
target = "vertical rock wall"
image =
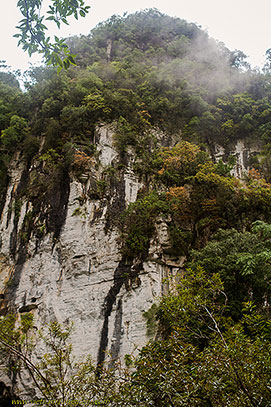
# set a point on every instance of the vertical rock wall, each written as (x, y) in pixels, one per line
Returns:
(241, 151)
(81, 276)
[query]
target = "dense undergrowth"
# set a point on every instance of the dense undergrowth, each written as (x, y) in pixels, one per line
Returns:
(170, 93)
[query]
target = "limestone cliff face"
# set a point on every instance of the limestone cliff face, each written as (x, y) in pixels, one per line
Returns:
(79, 276)
(77, 272)
(242, 151)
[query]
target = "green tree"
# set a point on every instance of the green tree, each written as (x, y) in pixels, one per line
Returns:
(32, 29)
(15, 133)
(243, 260)
(204, 359)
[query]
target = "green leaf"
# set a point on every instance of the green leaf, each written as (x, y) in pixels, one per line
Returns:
(51, 18)
(59, 68)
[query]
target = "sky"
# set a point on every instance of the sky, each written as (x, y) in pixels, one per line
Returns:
(239, 24)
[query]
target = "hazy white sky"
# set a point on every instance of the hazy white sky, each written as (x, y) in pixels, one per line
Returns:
(240, 24)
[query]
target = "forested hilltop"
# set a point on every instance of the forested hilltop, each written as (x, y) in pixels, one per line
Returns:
(170, 95)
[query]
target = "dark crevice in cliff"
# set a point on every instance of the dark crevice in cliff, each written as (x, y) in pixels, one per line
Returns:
(58, 198)
(117, 207)
(3, 195)
(115, 347)
(120, 276)
(16, 202)
(124, 273)
(10, 292)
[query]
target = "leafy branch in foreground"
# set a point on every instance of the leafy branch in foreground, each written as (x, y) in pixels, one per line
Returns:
(58, 379)
(32, 29)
